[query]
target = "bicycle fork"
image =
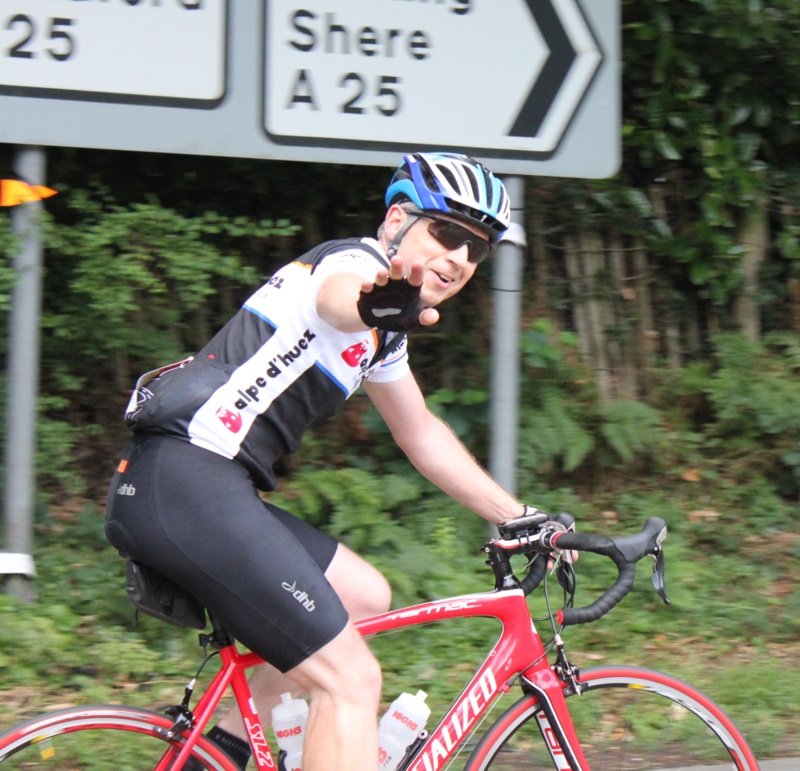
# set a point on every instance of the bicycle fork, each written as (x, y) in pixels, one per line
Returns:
(554, 721)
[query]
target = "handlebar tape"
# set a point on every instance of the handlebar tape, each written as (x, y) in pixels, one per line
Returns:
(625, 552)
(535, 575)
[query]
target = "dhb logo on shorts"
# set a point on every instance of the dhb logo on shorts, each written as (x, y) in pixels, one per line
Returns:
(301, 596)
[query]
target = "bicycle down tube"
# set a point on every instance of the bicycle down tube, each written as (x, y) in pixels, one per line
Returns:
(518, 651)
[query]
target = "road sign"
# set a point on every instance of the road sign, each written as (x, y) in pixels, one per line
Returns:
(137, 51)
(529, 86)
(451, 74)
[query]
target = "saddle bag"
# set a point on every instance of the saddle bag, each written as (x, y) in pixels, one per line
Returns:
(158, 596)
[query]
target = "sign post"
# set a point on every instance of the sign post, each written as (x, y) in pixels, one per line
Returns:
(23, 383)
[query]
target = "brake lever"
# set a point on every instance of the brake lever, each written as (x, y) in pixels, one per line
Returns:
(565, 523)
(659, 575)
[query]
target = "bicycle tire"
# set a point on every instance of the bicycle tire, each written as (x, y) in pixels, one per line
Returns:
(98, 738)
(627, 719)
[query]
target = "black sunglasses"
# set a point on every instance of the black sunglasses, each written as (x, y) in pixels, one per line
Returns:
(451, 235)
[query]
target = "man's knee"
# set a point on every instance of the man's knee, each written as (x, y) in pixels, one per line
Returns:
(361, 587)
(377, 597)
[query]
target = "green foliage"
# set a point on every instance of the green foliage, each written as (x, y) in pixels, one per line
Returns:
(551, 434)
(78, 634)
(353, 503)
(753, 394)
(631, 428)
(7, 243)
(144, 271)
(754, 397)
(563, 427)
(709, 106)
(464, 409)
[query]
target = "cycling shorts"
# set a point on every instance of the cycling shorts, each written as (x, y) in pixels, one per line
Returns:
(197, 518)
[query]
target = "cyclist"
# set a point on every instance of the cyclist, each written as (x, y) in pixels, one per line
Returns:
(207, 432)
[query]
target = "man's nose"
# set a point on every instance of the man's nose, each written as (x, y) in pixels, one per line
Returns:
(460, 255)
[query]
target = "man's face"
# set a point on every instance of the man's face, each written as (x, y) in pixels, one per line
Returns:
(446, 271)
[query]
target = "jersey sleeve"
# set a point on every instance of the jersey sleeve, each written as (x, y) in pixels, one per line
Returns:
(394, 366)
(350, 259)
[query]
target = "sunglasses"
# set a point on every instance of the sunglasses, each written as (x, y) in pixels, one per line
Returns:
(452, 236)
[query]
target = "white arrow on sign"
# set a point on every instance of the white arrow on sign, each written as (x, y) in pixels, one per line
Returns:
(506, 76)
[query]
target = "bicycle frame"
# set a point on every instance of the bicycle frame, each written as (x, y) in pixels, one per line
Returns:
(518, 652)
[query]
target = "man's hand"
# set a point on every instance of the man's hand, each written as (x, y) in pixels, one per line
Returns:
(393, 301)
(535, 518)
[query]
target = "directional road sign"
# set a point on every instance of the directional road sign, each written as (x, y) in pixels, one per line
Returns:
(136, 51)
(529, 86)
(459, 74)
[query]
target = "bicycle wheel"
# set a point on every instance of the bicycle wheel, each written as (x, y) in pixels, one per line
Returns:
(627, 719)
(99, 738)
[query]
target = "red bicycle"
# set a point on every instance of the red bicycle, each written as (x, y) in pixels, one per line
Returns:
(615, 717)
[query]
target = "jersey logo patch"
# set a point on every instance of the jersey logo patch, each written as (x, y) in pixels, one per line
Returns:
(230, 419)
(354, 354)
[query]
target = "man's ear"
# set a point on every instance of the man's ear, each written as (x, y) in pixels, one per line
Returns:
(395, 217)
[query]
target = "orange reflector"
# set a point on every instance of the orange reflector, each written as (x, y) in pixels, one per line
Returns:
(14, 192)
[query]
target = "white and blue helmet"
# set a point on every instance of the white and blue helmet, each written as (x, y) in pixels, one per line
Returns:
(456, 185)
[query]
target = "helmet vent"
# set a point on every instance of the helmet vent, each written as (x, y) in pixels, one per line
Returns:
(429, 177)
(489, 192)
(473, 183)
(448, 174)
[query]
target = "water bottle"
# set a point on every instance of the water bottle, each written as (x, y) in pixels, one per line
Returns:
(399, 727)
(289, 720)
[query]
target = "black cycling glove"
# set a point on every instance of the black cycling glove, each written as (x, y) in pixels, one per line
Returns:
(394, 307)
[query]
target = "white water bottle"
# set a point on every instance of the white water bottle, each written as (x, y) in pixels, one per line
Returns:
(399, 727)
(289, 720)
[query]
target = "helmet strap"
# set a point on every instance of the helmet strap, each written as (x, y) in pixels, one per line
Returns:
(391, 251)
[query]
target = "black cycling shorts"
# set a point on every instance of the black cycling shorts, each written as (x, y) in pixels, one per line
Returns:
(197, 518)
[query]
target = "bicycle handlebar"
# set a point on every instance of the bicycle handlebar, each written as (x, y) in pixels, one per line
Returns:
(624, 551)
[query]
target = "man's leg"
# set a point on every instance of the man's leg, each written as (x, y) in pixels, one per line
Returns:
(364, 592)
(344, 682)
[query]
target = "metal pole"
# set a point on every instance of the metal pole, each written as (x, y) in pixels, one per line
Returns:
(23, 382)
(507, 293)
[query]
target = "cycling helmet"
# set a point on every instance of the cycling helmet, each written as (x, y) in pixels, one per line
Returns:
(456, 185)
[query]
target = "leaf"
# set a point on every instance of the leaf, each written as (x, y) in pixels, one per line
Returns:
(666, 147)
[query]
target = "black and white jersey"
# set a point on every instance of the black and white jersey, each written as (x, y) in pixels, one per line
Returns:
(274, 370)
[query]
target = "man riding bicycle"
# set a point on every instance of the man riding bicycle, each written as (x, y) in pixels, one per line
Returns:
(208, 431)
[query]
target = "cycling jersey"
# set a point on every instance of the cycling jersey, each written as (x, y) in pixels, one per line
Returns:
(274, 370)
